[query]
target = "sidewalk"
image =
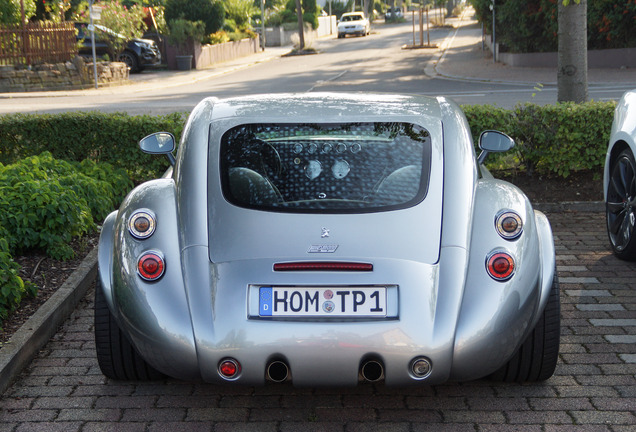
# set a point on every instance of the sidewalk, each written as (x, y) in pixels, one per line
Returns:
(461, 57)
(162, 78)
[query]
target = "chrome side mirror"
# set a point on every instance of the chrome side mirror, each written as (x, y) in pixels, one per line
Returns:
(493, 142)
(159, 143)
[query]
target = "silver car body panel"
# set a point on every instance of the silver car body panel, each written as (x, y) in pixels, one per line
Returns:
(442, 303)
(623, 133)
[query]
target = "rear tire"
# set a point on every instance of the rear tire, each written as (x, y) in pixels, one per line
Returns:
(117, 358)
(537, 358)
(131, 61)
(620, 206)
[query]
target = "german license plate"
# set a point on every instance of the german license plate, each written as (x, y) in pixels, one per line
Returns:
(322, 302)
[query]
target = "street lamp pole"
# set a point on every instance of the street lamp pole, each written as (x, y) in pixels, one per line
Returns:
(263, 25)
(494, 38)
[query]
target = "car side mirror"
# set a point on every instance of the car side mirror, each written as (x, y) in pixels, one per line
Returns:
(159, 143)
(493, 142)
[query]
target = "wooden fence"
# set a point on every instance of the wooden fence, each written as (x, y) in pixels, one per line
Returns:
(37, 42)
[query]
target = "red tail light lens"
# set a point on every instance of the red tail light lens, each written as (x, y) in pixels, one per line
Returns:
(500, 266)
(323, 266)
(229, 368)
(151, 266)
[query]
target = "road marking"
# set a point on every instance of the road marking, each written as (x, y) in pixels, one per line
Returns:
(321, 82)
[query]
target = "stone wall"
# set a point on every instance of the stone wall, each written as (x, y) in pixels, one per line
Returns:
(278, 36)
(72, 75)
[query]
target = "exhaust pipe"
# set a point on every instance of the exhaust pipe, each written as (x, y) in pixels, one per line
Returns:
(277, 371)
(372, 370)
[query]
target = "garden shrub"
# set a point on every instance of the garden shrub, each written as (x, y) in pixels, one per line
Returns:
(551, 139)
(44, 202)
(96, 136)
(531, 25)
(211, 12)
(12, 288)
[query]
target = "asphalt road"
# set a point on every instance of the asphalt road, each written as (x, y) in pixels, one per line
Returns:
(376, 63)
(594, 387)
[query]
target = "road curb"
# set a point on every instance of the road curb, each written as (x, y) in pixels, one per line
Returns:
(34, 334)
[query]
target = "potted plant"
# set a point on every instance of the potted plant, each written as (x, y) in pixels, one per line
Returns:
(183, 33)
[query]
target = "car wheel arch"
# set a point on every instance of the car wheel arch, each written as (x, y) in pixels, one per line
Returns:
(134, 63)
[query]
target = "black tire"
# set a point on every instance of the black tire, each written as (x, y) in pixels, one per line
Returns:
(620, 206)
(117, 358)
(131, 61)
(537, 358)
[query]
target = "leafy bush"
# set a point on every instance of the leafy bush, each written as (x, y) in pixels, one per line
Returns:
(45, 202)
(555, 139)
(531, 25)
(217, 38)
(12, 288)
(96, 136)
(183, 33)
(211, 12)
(10, 12)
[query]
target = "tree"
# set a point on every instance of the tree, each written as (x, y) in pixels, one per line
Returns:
(211, 12)
(121, 21)
(11, 12)
(572, 57)
(301, 26)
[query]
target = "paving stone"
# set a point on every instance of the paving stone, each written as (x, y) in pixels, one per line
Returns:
(594, 388)
(613, 322)
(628, 358)
(587, 293)
(578, 280)
(600, 307)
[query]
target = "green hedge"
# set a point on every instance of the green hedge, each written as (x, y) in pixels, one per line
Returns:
(531, 25)
(551, 139)
(44, 204)
(555, 139)
(96, 136)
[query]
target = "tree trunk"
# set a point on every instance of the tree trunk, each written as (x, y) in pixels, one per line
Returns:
(301, 26)
(572, 63)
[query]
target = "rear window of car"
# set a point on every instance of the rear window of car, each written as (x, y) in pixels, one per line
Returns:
(345, 167)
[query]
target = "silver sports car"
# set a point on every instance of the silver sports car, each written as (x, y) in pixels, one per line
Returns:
(327, 239)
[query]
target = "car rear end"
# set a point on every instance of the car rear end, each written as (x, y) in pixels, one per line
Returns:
(327, 240)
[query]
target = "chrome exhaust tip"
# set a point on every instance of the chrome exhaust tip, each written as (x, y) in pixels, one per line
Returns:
(372, 371)
(277, 371)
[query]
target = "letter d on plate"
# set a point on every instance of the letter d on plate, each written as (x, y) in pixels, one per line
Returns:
(265, 301)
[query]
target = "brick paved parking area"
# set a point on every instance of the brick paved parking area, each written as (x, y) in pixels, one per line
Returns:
(594, 388)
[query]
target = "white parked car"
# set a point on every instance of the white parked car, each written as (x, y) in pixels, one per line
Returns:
(353, 23)
(619, 181)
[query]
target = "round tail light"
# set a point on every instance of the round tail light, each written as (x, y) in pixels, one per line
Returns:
(509, 225)
(151, 266)
(229, 368)
(500, 265)
(141, 224)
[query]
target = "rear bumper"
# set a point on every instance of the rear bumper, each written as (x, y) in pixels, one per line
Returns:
(317, 353)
